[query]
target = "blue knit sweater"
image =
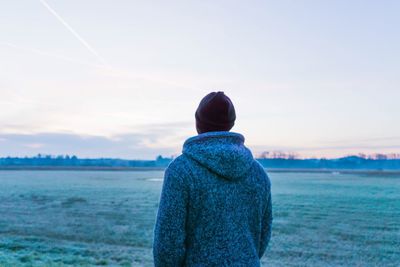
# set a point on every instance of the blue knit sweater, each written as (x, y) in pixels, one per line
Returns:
(215, 205)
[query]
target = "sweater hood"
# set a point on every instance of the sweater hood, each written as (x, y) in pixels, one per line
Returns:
(222, 152)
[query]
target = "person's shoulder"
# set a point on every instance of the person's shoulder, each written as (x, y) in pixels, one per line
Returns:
(259, 167)
(178, 165)
(261, 171)
(177, 170)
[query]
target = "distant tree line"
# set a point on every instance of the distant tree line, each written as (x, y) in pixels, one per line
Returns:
(294, 155)
(361, 161)
(72, 161)
(349, 162)
(275, 160)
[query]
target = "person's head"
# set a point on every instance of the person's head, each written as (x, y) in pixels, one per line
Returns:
(215, 113)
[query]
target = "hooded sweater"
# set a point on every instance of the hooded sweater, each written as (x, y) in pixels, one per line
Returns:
(215, 205)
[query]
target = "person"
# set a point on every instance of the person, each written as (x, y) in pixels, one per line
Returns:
(215, 206)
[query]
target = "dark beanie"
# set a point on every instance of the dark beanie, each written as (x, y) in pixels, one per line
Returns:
(215, 113)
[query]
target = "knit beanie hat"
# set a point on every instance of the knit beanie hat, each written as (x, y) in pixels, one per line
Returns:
(215, 113)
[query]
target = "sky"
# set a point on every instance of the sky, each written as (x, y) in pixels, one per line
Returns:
(123, 78)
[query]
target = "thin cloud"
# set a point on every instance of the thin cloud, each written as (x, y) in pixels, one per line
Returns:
(76, 34)
(365, 140)
(146, 144)
(56, 56)
(130, 146)
(356, 148)
(33, 145)
(103, 69)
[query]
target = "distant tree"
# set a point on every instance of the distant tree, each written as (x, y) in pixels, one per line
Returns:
(293, 155)
(264, 155)
(380, 156)
(362, 155)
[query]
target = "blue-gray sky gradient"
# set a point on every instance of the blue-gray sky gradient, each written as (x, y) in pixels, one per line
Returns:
(314, 77)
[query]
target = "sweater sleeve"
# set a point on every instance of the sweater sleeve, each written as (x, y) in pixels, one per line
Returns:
(266, 226)
(169, 232)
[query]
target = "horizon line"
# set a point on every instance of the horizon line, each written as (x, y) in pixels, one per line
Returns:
(288, 156)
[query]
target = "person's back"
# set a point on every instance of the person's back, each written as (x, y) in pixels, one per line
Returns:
(215, 206)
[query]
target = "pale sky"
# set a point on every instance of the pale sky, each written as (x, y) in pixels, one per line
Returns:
(117, 78)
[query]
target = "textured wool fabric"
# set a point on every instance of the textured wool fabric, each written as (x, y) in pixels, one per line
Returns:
(215, 205)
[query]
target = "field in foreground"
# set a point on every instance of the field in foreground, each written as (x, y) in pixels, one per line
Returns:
(70, 218)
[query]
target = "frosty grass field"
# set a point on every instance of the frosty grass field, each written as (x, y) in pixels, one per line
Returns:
(70, 218)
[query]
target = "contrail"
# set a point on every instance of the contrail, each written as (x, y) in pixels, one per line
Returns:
(109, 70)
(83, 42)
